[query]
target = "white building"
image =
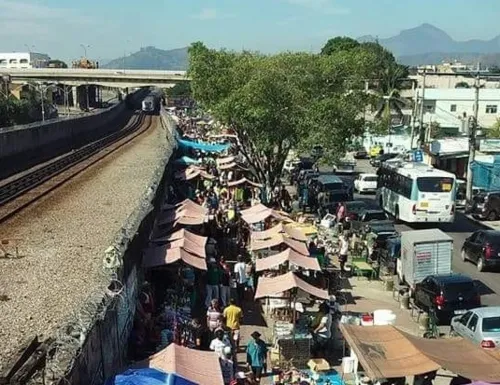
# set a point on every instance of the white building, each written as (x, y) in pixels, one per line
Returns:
(453, 107)
(23, 60)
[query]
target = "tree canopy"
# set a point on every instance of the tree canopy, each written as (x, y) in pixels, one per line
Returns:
(278, 102)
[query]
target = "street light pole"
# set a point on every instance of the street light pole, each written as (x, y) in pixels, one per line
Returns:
(472, 140)
(85, 49)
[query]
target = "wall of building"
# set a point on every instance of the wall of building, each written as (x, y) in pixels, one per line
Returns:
(22, 147)
(450, 81)
(18, 60)
(452, 107)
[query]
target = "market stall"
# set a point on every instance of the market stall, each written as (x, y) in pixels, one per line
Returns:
(279, 240)
(287, 256)
(280, 228)
(385, 352)
(291, 335)
(199, 367)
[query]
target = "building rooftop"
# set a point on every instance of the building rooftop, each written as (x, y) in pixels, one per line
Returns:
(467, 94)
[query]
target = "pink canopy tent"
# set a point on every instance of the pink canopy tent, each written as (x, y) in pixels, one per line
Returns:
(287, 256)
(243, 181)
(162, 255)
(200, 367)
(263, 215)
(278, 229)
(182, 216)
(226, 160)
(182, 234)
(279, 239)
(254, 209)
(270, 287)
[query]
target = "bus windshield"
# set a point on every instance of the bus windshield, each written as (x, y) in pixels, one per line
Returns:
(435, 184)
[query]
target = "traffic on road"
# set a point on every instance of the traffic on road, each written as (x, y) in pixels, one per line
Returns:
(393, 198)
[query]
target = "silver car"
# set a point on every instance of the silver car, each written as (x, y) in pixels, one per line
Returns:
(480, 325)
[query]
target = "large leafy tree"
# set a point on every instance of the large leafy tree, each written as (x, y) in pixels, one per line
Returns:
(279, 102)
(494, 131)
(339, 43)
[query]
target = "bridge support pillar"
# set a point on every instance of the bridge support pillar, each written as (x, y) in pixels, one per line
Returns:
(74, 96)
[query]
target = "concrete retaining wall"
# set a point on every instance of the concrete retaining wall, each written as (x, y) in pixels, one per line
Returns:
(22, 147)
(104, 350)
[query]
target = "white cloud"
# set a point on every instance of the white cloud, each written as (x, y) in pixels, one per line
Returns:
(324, 6)
(206, 14)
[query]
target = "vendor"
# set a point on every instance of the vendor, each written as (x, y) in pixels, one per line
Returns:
(322, 330)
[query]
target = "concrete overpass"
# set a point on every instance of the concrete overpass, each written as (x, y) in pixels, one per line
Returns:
(99, 77)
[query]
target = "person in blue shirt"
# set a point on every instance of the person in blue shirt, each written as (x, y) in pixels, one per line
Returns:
(257, 355)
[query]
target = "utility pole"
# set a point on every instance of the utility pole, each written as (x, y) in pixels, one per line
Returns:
(422, 109)
(472, 139)
(413, 121)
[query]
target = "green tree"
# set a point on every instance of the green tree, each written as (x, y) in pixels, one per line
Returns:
(339, 43)
(494, 131)
(279, 102)
(462, 85)
(180, 90)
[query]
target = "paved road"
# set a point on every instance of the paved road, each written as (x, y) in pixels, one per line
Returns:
(488, 282)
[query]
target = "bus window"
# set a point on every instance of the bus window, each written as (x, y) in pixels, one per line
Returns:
(433, 184)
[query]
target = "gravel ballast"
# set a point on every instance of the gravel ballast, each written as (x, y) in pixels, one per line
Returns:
(63, 237)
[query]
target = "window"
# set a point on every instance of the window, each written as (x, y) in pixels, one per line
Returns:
(473, 323)
(433, 184)
(491, 325)
(23, 61)
(465, 318)
(453, 108)
(491, 108)
(13, 61)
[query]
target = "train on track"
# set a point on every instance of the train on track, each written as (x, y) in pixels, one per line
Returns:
(151, 104)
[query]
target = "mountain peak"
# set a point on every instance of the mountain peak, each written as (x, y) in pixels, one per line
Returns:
(150, 57)
(427, 38)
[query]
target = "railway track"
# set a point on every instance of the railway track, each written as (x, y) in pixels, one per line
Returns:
(23, 191)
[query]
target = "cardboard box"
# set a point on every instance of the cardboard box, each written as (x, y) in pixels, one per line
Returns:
(318, 364)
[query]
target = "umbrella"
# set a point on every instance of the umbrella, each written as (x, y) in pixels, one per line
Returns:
(148, 376)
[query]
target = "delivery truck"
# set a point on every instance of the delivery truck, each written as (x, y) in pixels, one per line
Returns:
(423, 253)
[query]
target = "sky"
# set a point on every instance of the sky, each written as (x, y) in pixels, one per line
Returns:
(111, 28)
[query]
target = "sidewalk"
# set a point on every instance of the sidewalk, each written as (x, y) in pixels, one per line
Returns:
(493, 225)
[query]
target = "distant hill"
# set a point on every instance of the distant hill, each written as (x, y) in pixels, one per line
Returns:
(151, 58)
(431, 45)
(487, 60)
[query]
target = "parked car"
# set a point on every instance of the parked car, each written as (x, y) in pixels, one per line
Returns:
(354, 208)
(485, 205)
(481, 326)
(360, 154)
(366, 183)
(483, 249)
(378, 160)
(372, 215)
(447, 295)
(376, 150)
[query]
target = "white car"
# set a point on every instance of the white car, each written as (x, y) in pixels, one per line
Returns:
(366, 183)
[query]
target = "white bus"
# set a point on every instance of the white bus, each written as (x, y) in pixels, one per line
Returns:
(416, 192)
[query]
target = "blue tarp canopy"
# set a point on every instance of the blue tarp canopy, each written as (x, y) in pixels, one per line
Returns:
(486, 175)
(186, 160)
(202, 146)
(147, 376)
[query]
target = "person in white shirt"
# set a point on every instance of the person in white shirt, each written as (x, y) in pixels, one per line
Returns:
(323, 332)
(220, 342)
(241, 278)
(344, 250)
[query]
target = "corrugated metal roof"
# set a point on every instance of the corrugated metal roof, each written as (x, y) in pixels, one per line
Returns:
(428, 235)
(466, 94)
